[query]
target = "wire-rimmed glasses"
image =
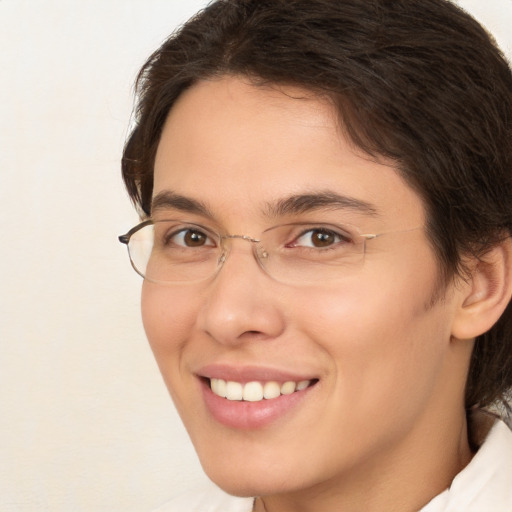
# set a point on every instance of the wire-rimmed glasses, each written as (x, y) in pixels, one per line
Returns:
(174, 251)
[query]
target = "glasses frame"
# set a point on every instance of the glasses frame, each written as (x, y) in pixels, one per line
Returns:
(125, 239)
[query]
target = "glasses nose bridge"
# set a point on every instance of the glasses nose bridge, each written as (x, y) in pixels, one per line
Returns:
(226, 247)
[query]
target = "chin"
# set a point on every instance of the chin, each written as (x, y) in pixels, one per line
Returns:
(249, 484)
(255, 476)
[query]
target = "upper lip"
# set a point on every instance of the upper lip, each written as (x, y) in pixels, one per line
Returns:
(250, 373)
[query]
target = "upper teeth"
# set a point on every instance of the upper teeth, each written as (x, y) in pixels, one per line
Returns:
(255, 391)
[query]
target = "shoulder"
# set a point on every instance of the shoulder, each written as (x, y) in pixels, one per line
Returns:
(210, 499)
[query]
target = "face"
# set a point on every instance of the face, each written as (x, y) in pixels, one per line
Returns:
(370, 350)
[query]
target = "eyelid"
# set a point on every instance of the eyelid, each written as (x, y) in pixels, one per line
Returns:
(301, 228)
(186, 224)
(339, 230)
(183, 232)
(296, 229)
(340, 236)
(177, 226)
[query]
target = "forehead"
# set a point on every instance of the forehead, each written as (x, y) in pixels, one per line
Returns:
(238, 147)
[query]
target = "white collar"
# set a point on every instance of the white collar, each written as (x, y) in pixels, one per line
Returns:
(485, 484)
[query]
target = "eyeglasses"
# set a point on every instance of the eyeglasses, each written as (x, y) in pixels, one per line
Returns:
(173, 251)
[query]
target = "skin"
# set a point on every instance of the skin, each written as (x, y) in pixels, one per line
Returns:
(384, 428)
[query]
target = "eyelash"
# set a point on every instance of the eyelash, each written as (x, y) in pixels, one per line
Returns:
(171, 237)
(176, 237)
(339, 238)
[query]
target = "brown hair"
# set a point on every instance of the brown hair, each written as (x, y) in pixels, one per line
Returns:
(417, 81)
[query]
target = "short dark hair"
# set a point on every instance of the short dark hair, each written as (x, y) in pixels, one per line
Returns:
(416, 81)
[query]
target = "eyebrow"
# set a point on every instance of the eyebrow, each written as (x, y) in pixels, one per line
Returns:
(295, 204)
(303, 203)
(170, 200)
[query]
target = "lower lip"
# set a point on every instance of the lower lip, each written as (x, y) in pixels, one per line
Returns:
(250, 415)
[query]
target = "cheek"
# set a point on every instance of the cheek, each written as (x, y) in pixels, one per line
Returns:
(168, 316)
(385, 342)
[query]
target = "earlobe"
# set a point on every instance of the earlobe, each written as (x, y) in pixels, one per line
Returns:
(486, 293)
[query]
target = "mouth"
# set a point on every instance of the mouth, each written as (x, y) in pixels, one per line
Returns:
(251, 397)
(256, 391)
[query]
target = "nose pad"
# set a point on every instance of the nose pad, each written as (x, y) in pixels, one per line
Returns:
(239, 303)
(221, 260)
(226, 249)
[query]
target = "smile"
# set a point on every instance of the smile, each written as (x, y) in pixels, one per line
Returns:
(255, 391)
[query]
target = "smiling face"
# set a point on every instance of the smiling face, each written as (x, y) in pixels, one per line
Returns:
(370, 358)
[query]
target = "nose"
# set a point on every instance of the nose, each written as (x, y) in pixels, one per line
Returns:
(241, 303)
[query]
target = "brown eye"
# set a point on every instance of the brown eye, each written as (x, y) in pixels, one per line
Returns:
(318, 238)
(191, 238)
(194, 238)
(322, 238)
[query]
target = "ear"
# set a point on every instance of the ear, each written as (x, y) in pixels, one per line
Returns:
(487, 292)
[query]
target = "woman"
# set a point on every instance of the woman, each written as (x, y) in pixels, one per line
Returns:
(325, 192)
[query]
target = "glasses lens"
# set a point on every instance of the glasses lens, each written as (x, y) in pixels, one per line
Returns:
(140, 247)
(311, 253)
(173, 251)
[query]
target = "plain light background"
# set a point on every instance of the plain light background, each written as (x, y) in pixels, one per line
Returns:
(85, 420)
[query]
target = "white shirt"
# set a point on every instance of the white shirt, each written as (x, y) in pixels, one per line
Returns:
(484, 485)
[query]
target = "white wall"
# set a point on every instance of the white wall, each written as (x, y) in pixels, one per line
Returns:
(85, 421)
